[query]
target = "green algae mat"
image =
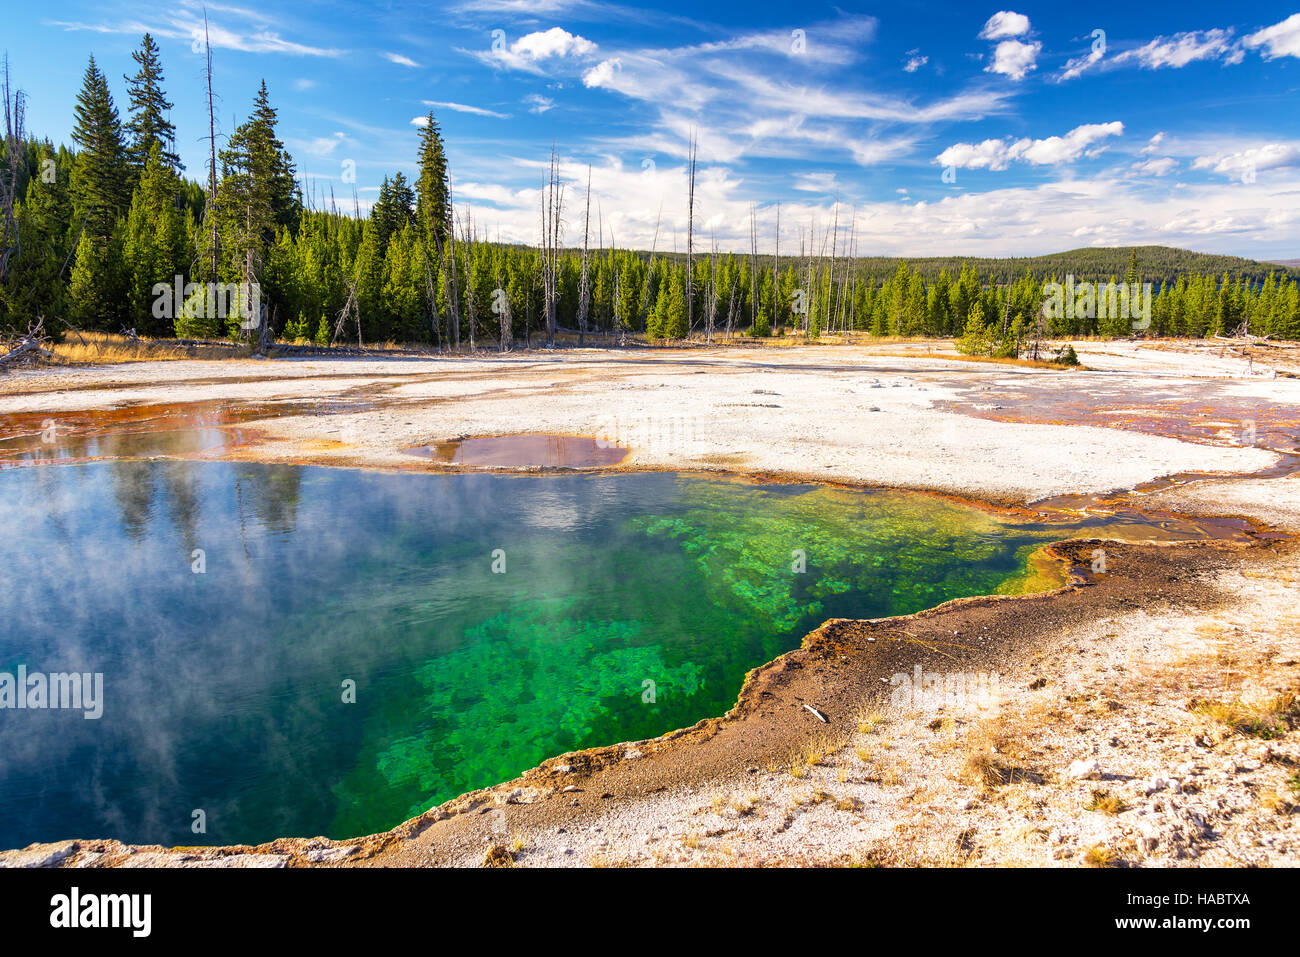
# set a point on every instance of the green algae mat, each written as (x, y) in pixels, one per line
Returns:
(298, 651)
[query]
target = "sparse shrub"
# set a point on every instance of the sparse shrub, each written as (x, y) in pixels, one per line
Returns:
(498, 856)
(1065, 356)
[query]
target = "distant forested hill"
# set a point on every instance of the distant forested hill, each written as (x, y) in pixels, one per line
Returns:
(1156, 264)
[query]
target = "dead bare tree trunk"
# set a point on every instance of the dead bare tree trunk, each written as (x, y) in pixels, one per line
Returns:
(776, 260)
(830, 279)
(552, 211)
(431, 290)
(753, 270)
(210, 208)
(10, 239)
(449, 274)
(690, 237)
(468, 237)
(29, 347)
(349, 307)
(584, 289)
(713, 291)
(502, 297)
(731, 304)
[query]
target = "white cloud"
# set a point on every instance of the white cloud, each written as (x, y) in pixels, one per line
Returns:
(399, 59)
(463, 108)
(1254, 159)
(1014, 58)
(1076, 66)
(1281, 39)
(815, 182)
(604, 74)
(759, 109)
(531, 50)
(323, 145)
(1184, 48)
(914, 61)
(1157, 167)
(1261, 221)
(552, 42)
(538, 104)
(1005, 24)
(302, 83)
(1178, 51)
(999, 154)
(183, 25)
(419, 121)
(1153, 144)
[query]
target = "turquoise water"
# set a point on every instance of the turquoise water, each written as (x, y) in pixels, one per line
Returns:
(486, 621)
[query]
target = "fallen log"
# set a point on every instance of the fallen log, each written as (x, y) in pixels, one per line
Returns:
(26, 349)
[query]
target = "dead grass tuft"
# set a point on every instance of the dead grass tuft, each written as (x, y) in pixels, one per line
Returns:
(1269, 719)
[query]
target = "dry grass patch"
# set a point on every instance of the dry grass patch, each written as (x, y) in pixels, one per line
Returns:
(1277, 802)
(744, 807)
(1099, 855)
(1106, 803)
(997, 757)
(103, 347)
(498, 855)
(868, 718)
(1269, 719)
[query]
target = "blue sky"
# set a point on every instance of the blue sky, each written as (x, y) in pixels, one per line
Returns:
(938, 128)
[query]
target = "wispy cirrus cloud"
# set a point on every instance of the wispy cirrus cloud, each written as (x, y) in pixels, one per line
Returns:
(186, 25)
(463, 108)
(764, 98)
(1162, 166)
(537, 103)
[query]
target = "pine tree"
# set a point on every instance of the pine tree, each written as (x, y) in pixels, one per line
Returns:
(369, 276)
(35, 286)
(975, 339)
(394, 209)
(675, 316)
(148, 108)
(99, 178)
(258, 193)
(154, 244)
(432, 208)
(97, 291)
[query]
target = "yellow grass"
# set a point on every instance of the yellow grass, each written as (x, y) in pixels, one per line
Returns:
(1268, 719)
(104, 347)
(1100, 856)
(996, 360)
